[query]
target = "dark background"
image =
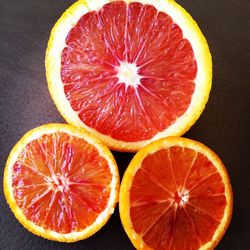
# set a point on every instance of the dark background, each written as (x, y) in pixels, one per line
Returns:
(224, 126)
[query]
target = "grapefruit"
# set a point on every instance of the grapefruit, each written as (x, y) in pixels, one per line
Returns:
(175, 194)
(130, 72)
(61, 183)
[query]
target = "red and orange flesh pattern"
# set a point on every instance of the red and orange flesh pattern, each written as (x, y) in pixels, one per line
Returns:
(61, 183)
(157, 212)
(133, 33)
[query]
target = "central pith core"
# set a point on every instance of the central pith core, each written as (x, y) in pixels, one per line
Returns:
(128, 74)
(58, 183)
(181, 198)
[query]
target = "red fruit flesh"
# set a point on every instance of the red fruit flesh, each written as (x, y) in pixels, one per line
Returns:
(61, 182)
(177, 199)
(136, 34)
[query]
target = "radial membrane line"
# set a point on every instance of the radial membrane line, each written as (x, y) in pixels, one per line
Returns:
(90, 80)
(45, 156)
(112, 52)
(147, 34)
(86, 204)
(146, 63)
(159, 79)
(86, 184)
(191, 221)
(158, 218)
(173, 228)
(102, 114)
(202, 180)
(152, 60)
(150, 92)
(203, 211)
(34, 185)
(54, 143)
(50, 205)
(189, 170)
(35, 170)
(81, 52)
(172, 169)
(156, 182)
(126, 34)
(119, 112)
(139, 204)
(39, 197)
(143, 108)
(207, 195)
(66, 207)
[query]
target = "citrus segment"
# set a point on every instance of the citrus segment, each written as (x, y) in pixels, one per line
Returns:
(128, 71)
(62, 181)
(175, 194)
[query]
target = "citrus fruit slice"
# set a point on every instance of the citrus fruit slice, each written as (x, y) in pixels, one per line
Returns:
(61, 183)
(175, 194)
(128, 71)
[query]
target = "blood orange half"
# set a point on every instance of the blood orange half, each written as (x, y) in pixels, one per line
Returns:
(175, 194)
(129, 71)
(61, 183)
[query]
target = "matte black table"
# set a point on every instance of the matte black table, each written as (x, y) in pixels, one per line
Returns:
(224, 126)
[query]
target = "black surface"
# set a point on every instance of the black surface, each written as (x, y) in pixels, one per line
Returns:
(224, 126)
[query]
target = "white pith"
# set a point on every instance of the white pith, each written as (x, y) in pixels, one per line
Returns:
(190, 32)
(128, 74)
(184, 197)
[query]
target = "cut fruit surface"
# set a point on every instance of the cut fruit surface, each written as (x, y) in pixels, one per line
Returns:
(129, 71)
(175, 194)
(61, 183)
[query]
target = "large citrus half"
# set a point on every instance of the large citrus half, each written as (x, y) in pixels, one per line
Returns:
(175, 194)
(61, 183)
(129, 71)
